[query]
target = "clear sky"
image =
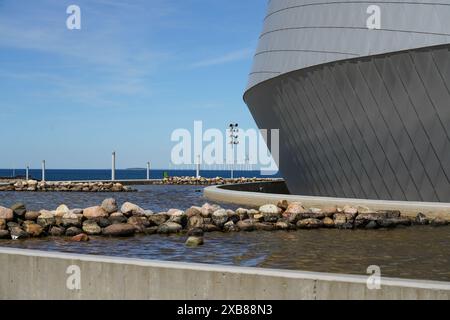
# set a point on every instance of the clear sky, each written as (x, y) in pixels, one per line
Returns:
(137, 70)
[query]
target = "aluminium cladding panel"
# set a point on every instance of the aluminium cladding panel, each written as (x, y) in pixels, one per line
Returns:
(302, 33)
(372, 127)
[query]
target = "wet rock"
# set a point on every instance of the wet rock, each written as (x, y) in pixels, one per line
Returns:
(194, 241)
(151, 230)
(264, 226)
(242, 213)
(438, 222)
(91, 227)
(4, 234)
(233, 216)
(18, 233)
(2, 224)
(421, 219)
(73, 231)
(109, 205)
(207, 210)
(210, 228)
(158, 219)
(138, 223)
(129, 209)
(61, 211)
(82, 237)
(6, 213)
(393, 222)
(258, 217)
(246, 225)
(169, 227)
(282, 225)
(295, 208)
(344, 220)
(57, 231)
(196, 232)
(350, 211)
(95, 213)
(283, 204)
(31, 215)
(252, 212)
(33, 229)
(103, 222)
(371, 225)
(46, 218)
(328, 222)
(193, 211)
(220, 217)
(19, 209)
(177, 216)
(71, 219)
(119, 230)
(117, 217)
(329, 211)
(230, 226)
(309, 223)
(195, 222)
(270, 212)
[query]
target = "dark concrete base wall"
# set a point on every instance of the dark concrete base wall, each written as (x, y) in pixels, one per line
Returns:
(374, 127)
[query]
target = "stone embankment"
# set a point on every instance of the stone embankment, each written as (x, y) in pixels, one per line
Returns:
(109, 220)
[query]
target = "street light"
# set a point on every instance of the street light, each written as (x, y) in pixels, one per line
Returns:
(234, 142)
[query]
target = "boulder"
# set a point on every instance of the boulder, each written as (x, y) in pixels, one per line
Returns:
(193, 211)
(328, 222)
(158, 219)
(264, 226)
(18, 233)
(19, 209)
(421, 219)
(350, 211)
(295, 208)
(169, 227)
(194, 241)
(371, 225)
(438, 222)
(282, 225)
(230, 226)
(283, 204)
(246, 225)
(309, 223)
(329, 211)
(117, 217)
(4, 234)
(258, 217)
(242, 213)
(251, 213)
(207, 227)
(195, 222)
(119, 230)
(393, 222)
(57, 231)
(91, 227)
(151, 230)
(2, 224)
(196, 232)
(129, 209)
(46, 218)
(139, 223)
(177, 216)
(207, 210)
(73, 231)
(270, 212)
(61, 210)
(103, 223)
(6, 213)
(82, 237)
(33, 229)
(70, 219)
(95, 213)
(31, 215)
(109, 205)
(233, 216)
(344, 220)
(220, 217)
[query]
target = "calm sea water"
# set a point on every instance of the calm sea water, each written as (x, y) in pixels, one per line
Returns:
(416, 252)
(129, 174)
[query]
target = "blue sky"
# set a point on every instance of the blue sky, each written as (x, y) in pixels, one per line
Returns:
(137, 70)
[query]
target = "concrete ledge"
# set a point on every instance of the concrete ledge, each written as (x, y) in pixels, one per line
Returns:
(256, 199)
(28, 274)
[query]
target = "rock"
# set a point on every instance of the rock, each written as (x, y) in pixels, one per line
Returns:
(103, 223)
(283, 204)
(158, 219)
(328, 222)
(6, 213)
(109, 205)
(151, 230)
(295, 207)
(177, 216)
(129, 209)
(309, 223)
(4, 234)
(193, 211)
(73, 231)
(31, 215)
(57, 231)
(91, 227)
(233, 216)
(220, 217)
(421, 219)
(363, 209)
(119, 230)
(169, 227)
(19, 209)
(282, 225)
(33, 229)
(438, 222)
(344, 220)
(18, 233)
(264, 226)
(329, 211)
(393, 222)
(230, 226)
(207, 227)
(46, 218)
(194, 241)
(82, 237)
(252, 212)
(196, 232)
(71, 219)
(351, 211)
(242, 213)
(246, 225)
(2, 224)
(117, 217)
(138, 223)
(195, 222)
(95, 213)
(148, 213)
(371, 225)
(61, 211)
(270, 212)
(207, 210)
(258, 217)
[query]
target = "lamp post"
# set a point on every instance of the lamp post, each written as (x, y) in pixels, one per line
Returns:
(113, 167)
(27, 173)
(148, 170)
(197, 167)
(43, 170)
(234, 142)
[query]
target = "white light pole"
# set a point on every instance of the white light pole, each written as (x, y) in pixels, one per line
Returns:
(27, 173)
(113, 167)
(43, 170)
(234, 142)
(148, 170)
(197, 174)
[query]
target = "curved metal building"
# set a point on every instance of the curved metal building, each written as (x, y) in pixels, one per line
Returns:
(362, 113)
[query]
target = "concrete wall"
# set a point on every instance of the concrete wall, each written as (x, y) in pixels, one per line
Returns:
(27, 274)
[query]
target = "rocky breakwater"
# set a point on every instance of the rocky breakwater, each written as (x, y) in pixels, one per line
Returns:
(109, 220)
(63, 186)
(206, 181)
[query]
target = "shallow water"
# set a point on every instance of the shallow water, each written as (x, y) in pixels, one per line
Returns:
(416, 252)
